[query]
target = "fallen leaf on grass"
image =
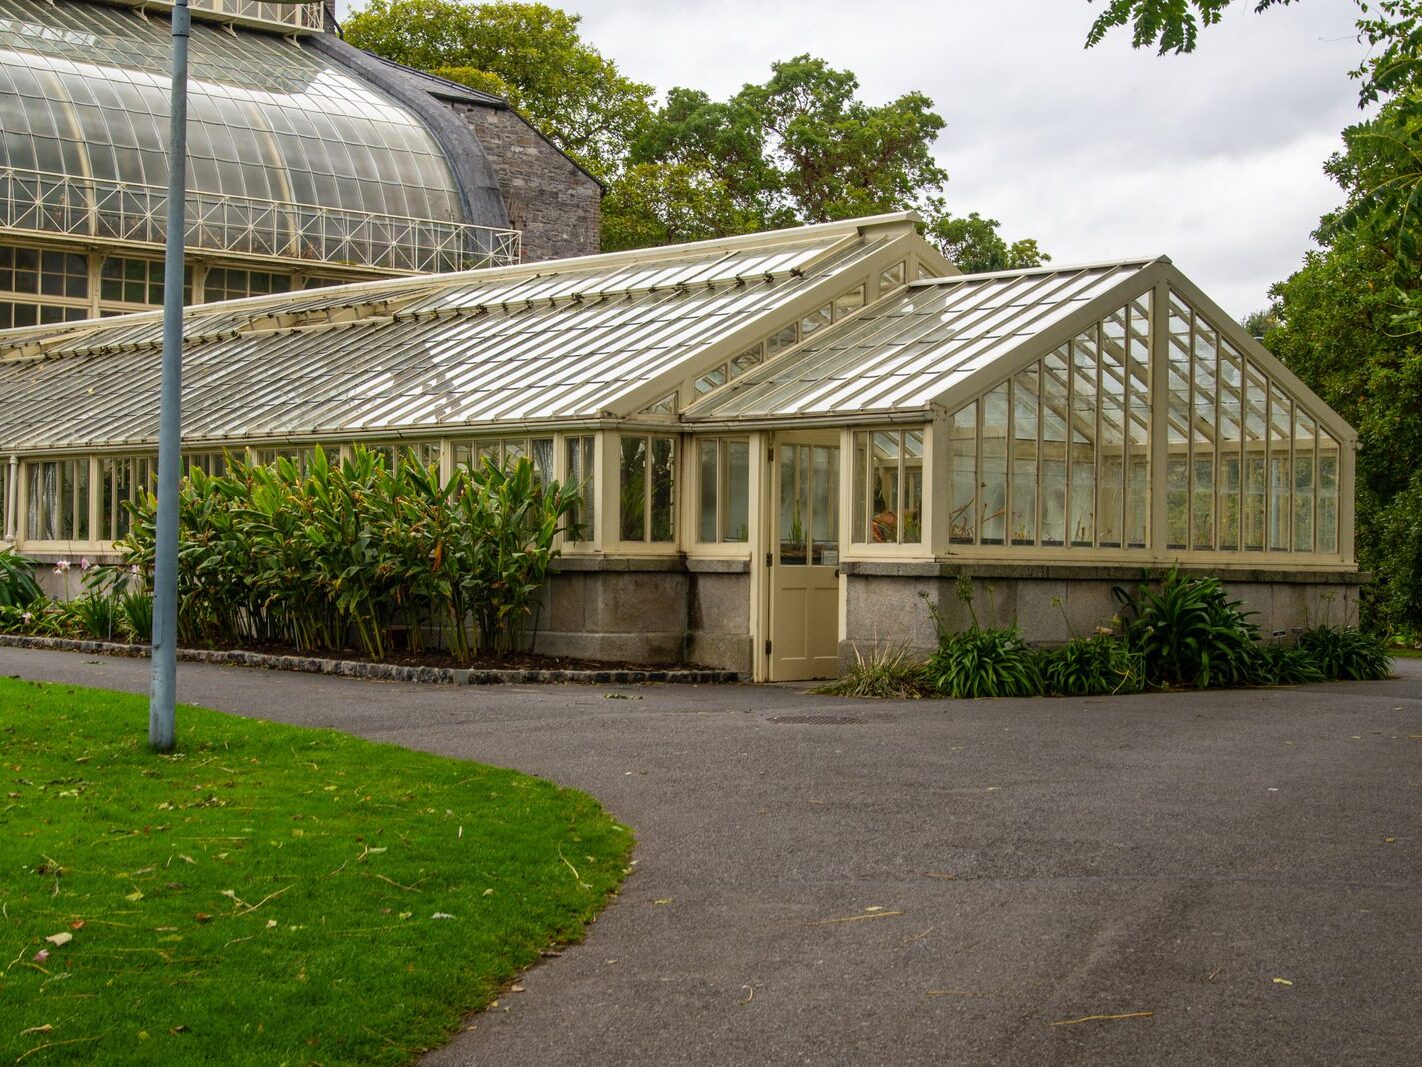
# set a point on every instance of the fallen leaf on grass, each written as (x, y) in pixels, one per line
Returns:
(1105, 1018)
(134, 897)
(1282, 981)
(441, 915)
(46, 1028)
(203, 917)
(77, 924)
(664, 900)
(41, 955)
(60, 939)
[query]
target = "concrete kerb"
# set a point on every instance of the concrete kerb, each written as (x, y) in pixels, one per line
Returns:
(387, 672)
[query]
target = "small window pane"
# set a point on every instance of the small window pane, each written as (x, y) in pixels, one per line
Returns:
(962, 515)
(706, 528)
(735, 492)
(662, 490)
(633, 495)
(884, 478)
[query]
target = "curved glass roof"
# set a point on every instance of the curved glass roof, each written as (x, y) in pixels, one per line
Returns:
(84, 97)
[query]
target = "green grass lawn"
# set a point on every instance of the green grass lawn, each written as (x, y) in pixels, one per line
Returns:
(267, 894)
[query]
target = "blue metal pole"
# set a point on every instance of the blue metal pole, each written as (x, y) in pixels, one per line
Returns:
(162, 726)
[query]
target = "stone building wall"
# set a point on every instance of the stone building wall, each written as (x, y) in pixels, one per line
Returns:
(894, 603)
(550, 199)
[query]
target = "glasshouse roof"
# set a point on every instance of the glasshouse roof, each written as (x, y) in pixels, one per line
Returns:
(572, 340)
(84, 99)
(940, 341)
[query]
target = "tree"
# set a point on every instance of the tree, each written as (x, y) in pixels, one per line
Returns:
(799, 148)
(529, 52)
(973, 245)
(1335, 332)
(802, 147)
(1166, 25)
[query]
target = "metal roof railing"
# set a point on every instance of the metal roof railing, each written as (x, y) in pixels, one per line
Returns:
(128, 214)
(288, 17)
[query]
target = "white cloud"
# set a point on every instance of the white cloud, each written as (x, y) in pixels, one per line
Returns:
(1212, 158)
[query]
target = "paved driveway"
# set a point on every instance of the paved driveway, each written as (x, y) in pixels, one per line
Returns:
(943, 882)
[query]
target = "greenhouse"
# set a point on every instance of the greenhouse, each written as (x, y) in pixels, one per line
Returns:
(787, 445)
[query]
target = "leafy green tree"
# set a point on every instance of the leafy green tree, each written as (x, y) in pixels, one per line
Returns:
(1336, 334)
(669, 203)
(973, 244)
(1166, 25)
(802, 147)
(529, 52)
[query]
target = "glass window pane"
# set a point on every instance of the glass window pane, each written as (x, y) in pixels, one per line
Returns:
(663, 513)
(1256, 478)
(745, 361)
(712, 379)
(892, 278)
(1327, 525)
(1111, 445)
(861, 488)
(815, 320)
(632, 517)
(912, 524)
(1280, 468)
(962, 514)
(1305, 432)
(1203, 433)
(1023, 459)
(992, 489)
(884, 479)
(1052, 488)
(706, 525)
(849, 303)
(792, 522)
(581, 474)
(735, 491)
(778, 342)
(1083, 439)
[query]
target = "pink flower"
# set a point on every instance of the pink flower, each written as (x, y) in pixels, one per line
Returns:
(27, 616)
(61, 566)
(84, 563)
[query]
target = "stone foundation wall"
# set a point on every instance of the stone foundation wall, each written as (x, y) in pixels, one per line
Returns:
(554, 203)
(653, 611)
(894, 603)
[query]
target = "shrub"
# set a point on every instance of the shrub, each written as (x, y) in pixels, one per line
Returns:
(892, 671)
(96, 615)
(1094, 666)
(1345, 652)
(18, 588)
(1190, 632)
(1282, 665)
(356, 549)
(136, 608)
(985, 663)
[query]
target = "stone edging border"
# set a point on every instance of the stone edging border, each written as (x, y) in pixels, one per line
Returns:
(386, 672)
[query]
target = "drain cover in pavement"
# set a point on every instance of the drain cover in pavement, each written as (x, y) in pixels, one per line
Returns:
(819, 720)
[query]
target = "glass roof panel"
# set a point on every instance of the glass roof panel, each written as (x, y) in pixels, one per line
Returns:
(84, 95)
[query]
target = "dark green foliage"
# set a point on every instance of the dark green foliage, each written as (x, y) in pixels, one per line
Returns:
(1167, 25)
(98, 615)
(1093, 666)
(1190, 633)
(355, 551)
(1345, 652)
(985, 663)
(1282, 665)
(18, 588)
(892, 671)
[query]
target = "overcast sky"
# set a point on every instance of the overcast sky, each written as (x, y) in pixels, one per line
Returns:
(1213, 159)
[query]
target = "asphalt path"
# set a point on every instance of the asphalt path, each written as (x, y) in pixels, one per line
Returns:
(1228, 877)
